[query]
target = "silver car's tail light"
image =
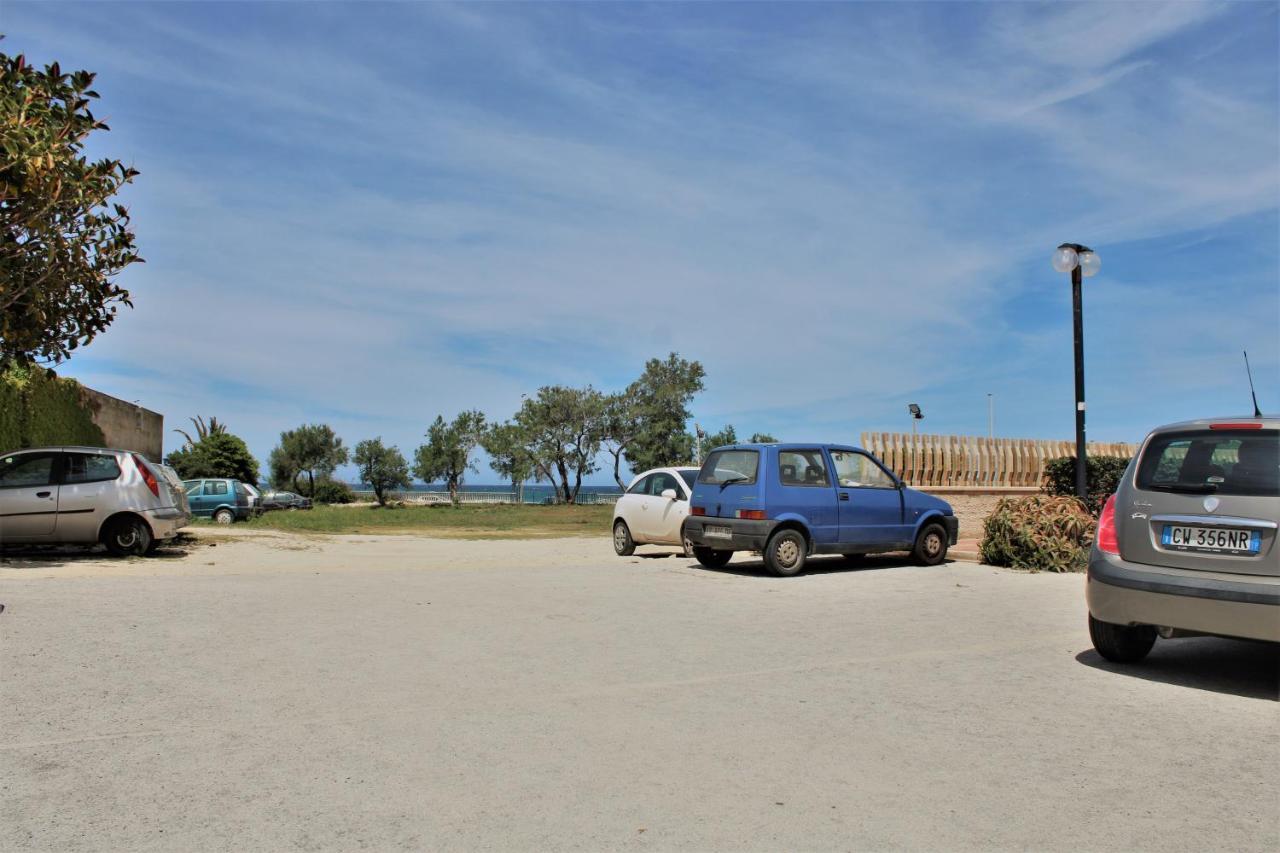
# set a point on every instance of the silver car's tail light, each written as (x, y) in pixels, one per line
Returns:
(147, 476)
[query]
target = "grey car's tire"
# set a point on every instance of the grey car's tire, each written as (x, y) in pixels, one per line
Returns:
(785, 553)
(623, 544)
(224, 516)
(931, 545)
(127, 537)
(711, 558)
(1121, 643)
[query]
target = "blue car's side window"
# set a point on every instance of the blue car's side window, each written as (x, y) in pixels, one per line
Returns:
(857, 470)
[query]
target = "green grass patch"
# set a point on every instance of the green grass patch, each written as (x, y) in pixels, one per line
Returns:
(495, 521)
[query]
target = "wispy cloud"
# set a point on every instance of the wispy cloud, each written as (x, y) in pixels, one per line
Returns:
(834, 208)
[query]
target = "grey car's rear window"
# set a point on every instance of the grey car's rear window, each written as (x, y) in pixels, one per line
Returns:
(738, 466)
(1222, 462)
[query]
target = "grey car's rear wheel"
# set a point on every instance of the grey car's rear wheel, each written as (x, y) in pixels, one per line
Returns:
(1121, 643)
(127, 537)
(623, 544)
(785, 553)
(931, 545)
(711, 558)
(224, 516)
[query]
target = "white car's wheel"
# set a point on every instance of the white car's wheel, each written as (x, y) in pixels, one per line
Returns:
(623, 545)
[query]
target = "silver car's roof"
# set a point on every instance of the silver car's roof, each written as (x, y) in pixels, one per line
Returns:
(1267, 421)
(74, 447)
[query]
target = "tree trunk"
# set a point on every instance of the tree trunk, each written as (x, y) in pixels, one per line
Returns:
(311, 478)
(377, 493)
(617, 459)
(452, 482)
(577, 484)
(564, 480)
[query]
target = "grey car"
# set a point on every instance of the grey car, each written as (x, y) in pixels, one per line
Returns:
(87, 495)
(1187, 545)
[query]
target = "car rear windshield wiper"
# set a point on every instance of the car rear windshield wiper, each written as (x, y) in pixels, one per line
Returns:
(731, 480)
(1187, 488)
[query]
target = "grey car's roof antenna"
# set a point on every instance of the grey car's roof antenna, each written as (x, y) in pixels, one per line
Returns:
(1257, 413)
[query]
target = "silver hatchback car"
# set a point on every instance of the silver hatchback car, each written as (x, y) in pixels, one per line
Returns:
(87, 495)
(1187, 545)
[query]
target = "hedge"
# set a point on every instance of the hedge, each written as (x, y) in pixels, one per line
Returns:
(39, 408)
(1102, 478)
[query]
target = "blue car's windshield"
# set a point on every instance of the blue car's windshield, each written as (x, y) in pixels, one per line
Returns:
(730, 466)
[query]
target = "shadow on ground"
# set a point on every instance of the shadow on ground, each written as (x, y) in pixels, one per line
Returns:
(821, 565)
(50, 556)
(1239, 667)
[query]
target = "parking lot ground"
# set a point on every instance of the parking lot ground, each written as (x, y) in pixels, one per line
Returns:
(398, 693)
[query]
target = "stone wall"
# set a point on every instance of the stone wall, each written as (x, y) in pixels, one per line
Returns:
(972, 506)
(125, 425)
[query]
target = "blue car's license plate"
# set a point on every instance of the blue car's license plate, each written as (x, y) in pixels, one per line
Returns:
(1216, 540)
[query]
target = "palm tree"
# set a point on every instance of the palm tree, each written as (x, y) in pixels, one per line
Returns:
(202, 430)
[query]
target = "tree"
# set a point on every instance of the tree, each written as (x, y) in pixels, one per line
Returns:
(564, 429)
(509, 455)
(648, 424)
(62, 238)
(447, 454)
(720, 439)
(313, 449)
(203, 430)
(381, 467)
(219, 454)
(762, 438)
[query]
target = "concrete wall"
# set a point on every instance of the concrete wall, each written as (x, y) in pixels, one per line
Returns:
(125, 425)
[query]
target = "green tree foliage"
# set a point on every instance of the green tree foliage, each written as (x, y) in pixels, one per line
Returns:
(762, 438)
(1102, 478)
(219, 454)
(311, 449)
(509, 455)
(646, 422)
(330, 491)
(719, 439)
(39, 408)
(203, 430)
(62, 238)
(383, 468)
(564, 428)
(446, 457)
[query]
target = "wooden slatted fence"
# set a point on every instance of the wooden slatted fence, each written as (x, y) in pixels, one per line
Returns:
(974, 462)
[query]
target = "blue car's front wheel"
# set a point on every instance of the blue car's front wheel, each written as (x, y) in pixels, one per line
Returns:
(931, 545)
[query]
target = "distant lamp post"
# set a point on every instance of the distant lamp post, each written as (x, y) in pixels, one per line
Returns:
(916, 415)
(1081, 262)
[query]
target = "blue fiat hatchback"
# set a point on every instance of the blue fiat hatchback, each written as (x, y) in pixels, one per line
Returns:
(789, 501)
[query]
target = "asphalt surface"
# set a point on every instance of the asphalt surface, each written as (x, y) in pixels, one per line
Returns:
(593, 703)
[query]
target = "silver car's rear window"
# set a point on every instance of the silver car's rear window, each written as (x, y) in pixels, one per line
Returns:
(1222, 462)
(724, 466)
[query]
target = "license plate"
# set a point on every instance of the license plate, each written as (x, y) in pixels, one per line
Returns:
(717, 531)
(1221, 540)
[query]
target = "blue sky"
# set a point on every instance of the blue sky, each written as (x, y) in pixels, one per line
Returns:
(371, 214)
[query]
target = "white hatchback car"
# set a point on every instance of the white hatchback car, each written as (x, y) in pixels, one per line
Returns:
(653, 510)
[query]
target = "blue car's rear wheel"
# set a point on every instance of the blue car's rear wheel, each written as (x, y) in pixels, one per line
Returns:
(785, 553)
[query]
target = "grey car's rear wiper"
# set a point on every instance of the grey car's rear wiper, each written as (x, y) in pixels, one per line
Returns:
(1188, 489)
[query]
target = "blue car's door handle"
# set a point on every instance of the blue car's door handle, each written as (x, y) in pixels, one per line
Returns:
(844, 496)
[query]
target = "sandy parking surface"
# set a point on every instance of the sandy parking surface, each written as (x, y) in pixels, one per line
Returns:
(363, 692)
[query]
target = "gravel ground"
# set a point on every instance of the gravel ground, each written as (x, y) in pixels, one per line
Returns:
(276, 692)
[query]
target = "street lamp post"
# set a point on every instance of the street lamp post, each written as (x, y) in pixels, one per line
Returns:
(1081, 262)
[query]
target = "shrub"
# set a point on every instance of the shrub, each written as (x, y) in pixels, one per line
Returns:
(1038, 533)
(333, 492)
(1102, 478)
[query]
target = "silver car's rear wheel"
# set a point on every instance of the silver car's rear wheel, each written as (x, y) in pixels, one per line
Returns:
(127, 537)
